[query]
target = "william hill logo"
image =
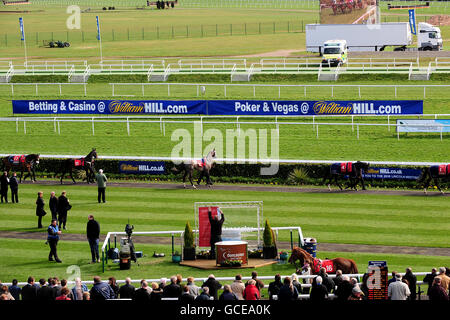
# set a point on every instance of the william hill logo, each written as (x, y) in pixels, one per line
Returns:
(124, 107)
(323, 107)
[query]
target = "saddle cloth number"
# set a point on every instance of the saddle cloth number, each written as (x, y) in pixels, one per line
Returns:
(346, 167)
(443, 170)
(79, 162)
(327, 264)
(18, 159)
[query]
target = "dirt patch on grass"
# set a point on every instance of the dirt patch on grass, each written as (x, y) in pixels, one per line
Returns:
(440, 20)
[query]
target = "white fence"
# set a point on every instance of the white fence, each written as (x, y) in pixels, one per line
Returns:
(204, 120)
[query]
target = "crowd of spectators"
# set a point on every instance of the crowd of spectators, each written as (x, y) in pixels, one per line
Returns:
(287, 289)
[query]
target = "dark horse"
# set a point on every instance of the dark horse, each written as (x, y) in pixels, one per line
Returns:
(24, 163)
(347, 266)
(353, 170)
(86, 164)
(203, 166)
(434, 173)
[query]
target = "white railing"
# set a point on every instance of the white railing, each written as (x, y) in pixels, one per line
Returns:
(207, 63)
(149, 73)
(145, 63)
(71, 73)
(9, 73)
(86, 73)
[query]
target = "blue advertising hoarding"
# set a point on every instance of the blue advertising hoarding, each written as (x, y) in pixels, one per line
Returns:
(220, 107)
(423, 125)
(142, 167)
(392, 173)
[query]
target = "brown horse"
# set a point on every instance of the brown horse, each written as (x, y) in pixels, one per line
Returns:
(203, 166)
(347, 266)
(22, 163)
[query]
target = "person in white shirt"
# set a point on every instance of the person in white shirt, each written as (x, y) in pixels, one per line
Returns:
(398, 290)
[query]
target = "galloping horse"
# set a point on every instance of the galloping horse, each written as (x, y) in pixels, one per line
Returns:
(434, 173)
(354, 171)
(203, 166)
(86, 163)
(22, 162)
(347, 266)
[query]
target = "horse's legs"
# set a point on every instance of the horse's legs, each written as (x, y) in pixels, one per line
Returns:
(71, 175)
(190, 179)
(436, 182)
(208, 179)
(184, 178)
(200, 178)
(362, 183)
(426, 183)
(337, 181)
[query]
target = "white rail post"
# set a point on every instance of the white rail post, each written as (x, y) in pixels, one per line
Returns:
(395, 89)
(359, 91)
(279, 91)
(128, 126)
(317, 131)
(353, 128)
(17, 125)
(85, 89)
(93, 129)
(54, 124)
(357, 131)
(254, 91)
(59, 129)
(24, 127)
(389, 125)
(113, 89)
(225, 89)
(424, 88)
(37, 89)
(12, 89)
(60, 89)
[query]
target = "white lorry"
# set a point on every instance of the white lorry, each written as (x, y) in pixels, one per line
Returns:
(373, 37)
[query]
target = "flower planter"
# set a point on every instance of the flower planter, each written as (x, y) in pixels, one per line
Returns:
(176, 258)
(189, 254)
(269, 252)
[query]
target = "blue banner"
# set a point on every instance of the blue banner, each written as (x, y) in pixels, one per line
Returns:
(108, 107)
(423, 125)
(22, 32)
(98, 29)
(392, 173)
(142, 167)
(412, 20)
(219, 107)
(301, 108)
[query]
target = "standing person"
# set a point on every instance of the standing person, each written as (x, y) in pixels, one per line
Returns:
(79, 289)
(227, 294)
(437, 292)
(15, 290)
(445, 281)
(40, 212)
(29, 291)
(53, 204)
(101, 291)
(63, 207)
(216, 232)
(14, 185)
(259, 284)
(238, 287)
(398, 290)
(186, 296)
(274, 287)
(429, 278)
(319, 292)
(64, 295)
(101, 183)
(288, 292)
(127, 290)
(113, 284)
(93, 235)
(251, 291)
(4, 183)
(52, 239)
(193, 289)
(412, 280)
(46, 293)
(173, 290)
(213, 286)
(142, 294)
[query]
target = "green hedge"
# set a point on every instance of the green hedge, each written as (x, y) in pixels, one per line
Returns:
(230, 173)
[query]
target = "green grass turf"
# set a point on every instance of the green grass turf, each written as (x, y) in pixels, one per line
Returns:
(22, 258)
(335, 218)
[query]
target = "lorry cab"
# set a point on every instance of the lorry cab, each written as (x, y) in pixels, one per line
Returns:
(429, 37)
(334, 52)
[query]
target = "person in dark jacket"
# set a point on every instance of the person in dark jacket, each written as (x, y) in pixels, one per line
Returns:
(53, 205)
(318, 291)
(30, 290)
(52, 239)
(4, 183)
(93, 235)
(127, 290)
(14, 185)
(344, 289)
(40, 212)
(172, 290)
(204, 295)
(274, 287)
(113, 284)
(63, 207)
(227, 294)
(429, 278)
(338, 279)
(216, 230)
(412, 281)
(213, 286)
(15, 290)
(437, 292)
(142, 295)
(326, 281)
(288, 292)
(46, 293)
(259, 283)
(186, 296)
(101, 291)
